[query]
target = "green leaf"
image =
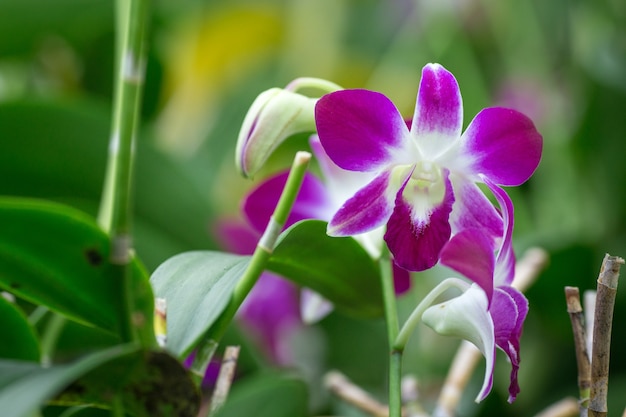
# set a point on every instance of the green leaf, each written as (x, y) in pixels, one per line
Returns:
(250, 397)
(149, 384)
(336, 267)
(24, 386)
(197, 286)
(20, 341)
(56, 256)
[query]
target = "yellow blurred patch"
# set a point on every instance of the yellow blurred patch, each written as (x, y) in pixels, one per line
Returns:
(205, 56)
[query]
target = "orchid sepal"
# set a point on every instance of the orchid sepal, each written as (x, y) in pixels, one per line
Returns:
(275, 115)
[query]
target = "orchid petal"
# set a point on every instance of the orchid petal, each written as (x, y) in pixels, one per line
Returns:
(472, 209)
(313, 307)
(275, 115)
(270, 313)
(340, 184)
(361, 130)
(401, 279)
(370, 207)
(471, 253)
(416, 237)
(466, 316)
(503, 145)
(505, 263)
(311, 201)
(236, 237)
(508, 311)
(438, 117)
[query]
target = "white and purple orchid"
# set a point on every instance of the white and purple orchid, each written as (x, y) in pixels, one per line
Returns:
(490, 314)
(425, 176)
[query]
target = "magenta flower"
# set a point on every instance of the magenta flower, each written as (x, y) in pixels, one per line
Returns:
(424, 185)
(491, 313)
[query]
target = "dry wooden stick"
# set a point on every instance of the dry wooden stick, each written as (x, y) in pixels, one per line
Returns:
(341, 386)
(600, 355)
(575, 311)
(224, 378)
(567, 407)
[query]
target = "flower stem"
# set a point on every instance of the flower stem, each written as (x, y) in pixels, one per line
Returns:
(391, 317)
(115, 208)
(415, 317)
(312, 83)
(266, 244)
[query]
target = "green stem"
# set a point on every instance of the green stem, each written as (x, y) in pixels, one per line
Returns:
(115, 208)
(117, 406)
(391, 317)
(312, 83)
(266, 244)
(50, 336)
(416, 316)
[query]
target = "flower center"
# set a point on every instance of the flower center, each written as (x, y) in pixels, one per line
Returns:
(425, 175)
(425, 189)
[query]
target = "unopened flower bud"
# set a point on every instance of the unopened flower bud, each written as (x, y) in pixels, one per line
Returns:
(275, 115)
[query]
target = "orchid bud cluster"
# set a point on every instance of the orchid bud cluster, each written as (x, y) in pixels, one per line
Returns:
(414, 187)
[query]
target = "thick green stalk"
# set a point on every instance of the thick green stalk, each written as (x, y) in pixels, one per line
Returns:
(391, 317)
(266, 244)
(115, 208)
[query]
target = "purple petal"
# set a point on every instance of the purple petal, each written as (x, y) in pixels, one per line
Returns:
(340, 184)
(508, 311)
(438, 117)
(401, 279)
(505, 263)
(270, 314)
(471, 252)
(472, 209)
(504, 145)
(311, 203)
(368, 209)
(466, 316)
(236, 237)
(360, 130)
(415, 240)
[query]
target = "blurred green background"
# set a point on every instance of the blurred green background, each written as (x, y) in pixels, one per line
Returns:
(561, 62)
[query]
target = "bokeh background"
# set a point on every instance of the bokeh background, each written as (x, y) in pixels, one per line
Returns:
(562, 62)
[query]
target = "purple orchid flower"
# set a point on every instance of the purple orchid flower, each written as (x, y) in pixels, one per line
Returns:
(424, 185)
(491, 313)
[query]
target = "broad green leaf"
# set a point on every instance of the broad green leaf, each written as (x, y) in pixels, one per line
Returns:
(336, 267)
(56, 256)
(251, 397)
(150, 384)
(19, 341)
(25, 386)
(197, 286)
